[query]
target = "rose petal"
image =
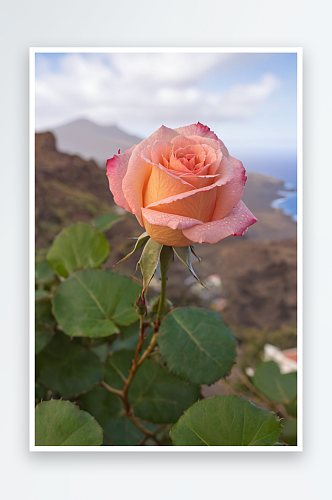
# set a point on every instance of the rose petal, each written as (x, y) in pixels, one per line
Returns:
(199, 206)
(211, 154)
(216, 145)
(166, 236)
(169, 220)
(160, 150)
(199, 181)
(197, 167)
(164, 162)
(214, 167)
(195, 149)
(189, 175)
(146, 155)
(235, 223)
(164, 134)
(228, 196)
(226, 175)
(161, 182)
(177, 165)
(197, 129)
(181, 142)
(116, 170)
(138, 171)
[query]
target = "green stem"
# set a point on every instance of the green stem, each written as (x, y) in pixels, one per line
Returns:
(161, 298)
(158, 319)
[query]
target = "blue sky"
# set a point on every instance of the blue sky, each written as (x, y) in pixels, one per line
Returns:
(249, 99)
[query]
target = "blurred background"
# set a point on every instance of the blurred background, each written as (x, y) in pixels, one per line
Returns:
(90, 105)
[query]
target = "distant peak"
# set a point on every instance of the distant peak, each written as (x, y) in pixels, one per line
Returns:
(83, 127)
(84, 122)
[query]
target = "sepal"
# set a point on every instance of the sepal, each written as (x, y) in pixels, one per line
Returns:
(149, 261)
(141, 240)
(183, 254)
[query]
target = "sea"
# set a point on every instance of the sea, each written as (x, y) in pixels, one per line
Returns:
(281, 165)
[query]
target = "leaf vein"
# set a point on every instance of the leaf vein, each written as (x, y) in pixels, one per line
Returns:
(196, 342)
(94, 298)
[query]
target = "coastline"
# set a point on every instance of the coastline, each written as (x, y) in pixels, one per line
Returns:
(287, 203)
(260, 195)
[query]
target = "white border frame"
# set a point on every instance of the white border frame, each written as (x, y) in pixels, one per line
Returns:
(276, 449)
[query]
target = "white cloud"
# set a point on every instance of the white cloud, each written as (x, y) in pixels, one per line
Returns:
(242, 101)
(144, 90)
(149, 70)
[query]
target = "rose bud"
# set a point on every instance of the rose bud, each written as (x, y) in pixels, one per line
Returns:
(140, 305)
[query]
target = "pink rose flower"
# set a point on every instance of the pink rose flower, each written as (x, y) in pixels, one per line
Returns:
(182, 185)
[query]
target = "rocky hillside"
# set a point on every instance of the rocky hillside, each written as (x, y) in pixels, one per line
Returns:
(68, 189)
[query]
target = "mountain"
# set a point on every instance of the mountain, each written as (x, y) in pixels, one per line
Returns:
(91, 141)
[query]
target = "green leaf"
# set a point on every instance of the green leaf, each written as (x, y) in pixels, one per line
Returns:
(77, 246)
(292, 408)
(129, 337)
(130, 331)
(68, 368)
(109, 412)
(289, 431)
(141, 240)
(62, 423)
(184, 255)
(44, 325)
(280, 388)
(106, 221)
(122, 432)
(226, 421)
(92, 303)
(155, 394)
(41, 294)
(149, 261)
(158, 396)
(101, 351)
(117, 368)
(43, 335)
(166, 259)
(96, 341)
(44, 273)
(196, 345)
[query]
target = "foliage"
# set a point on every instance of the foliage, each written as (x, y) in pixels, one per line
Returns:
(197, 345)
(61, 423)
(133, 373)
(95, 303)
(77, 246)
(280, 388)
(226, 421)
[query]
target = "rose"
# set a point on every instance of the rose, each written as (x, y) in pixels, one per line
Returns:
(182, 185)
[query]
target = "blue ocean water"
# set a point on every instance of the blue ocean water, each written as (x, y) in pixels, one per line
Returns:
(280, 164)
(287, 203)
